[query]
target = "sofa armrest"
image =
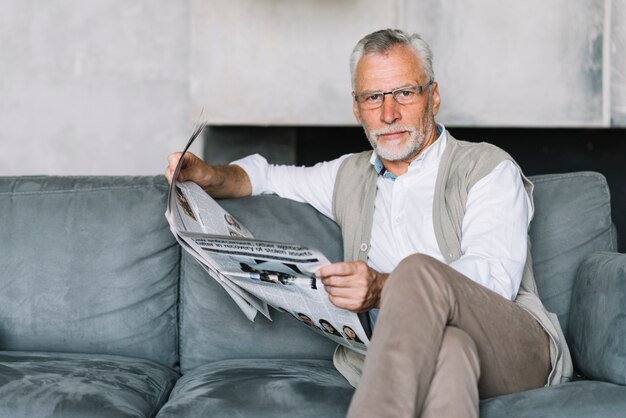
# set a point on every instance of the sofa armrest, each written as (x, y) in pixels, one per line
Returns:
(597, 318)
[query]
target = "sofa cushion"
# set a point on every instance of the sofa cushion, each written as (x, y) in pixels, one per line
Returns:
(581, 399)
(260, 388)
(88, 264)
(598, 318)
(212, 326)
(572, 219)
(72, 385)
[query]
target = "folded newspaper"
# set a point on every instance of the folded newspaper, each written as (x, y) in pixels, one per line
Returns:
(255, 273)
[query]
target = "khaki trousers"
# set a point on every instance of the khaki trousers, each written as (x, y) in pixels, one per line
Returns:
(442, 342)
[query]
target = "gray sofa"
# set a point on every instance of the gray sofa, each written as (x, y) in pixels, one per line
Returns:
(102, 315)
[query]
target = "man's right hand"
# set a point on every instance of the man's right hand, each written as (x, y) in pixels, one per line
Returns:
(193, 169)
(353, 285)
(217, 181)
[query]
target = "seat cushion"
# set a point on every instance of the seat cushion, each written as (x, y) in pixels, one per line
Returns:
(72, 385)
(581, 399)
(261, 388)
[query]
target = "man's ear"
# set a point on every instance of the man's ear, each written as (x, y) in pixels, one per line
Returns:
(436, 98)
(355, 109)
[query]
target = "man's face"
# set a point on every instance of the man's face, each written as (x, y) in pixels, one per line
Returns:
(397, 132)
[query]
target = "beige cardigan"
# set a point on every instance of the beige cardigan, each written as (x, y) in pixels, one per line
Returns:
(462, 165)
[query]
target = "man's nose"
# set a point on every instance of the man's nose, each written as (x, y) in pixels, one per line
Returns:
(390, 110)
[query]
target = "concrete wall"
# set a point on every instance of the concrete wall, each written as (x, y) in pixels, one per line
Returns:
(617, 94)
(92, 87)
(111, 87)
(516, 63)
(279, 62)
(531, 63)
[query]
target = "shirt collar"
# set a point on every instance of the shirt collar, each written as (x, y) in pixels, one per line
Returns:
(434, 149)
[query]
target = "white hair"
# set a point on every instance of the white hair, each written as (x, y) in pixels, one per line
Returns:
(382, 41)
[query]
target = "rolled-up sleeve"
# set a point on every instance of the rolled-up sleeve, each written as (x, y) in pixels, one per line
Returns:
(256, 167)
(313, 185)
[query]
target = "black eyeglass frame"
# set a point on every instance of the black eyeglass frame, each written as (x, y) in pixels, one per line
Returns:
(418, 90)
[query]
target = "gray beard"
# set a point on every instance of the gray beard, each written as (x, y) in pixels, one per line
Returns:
(414, 144)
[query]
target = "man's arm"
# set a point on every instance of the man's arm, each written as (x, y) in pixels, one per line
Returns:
(351, 285)
(313, 185)
(495, 231)
(218, 181)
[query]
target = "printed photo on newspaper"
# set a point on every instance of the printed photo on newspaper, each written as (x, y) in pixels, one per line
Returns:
(256, 273)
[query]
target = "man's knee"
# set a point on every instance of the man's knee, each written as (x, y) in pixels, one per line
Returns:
(415, 273)
(416, 264)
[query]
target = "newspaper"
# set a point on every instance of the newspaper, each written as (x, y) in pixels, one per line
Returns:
(256, 273)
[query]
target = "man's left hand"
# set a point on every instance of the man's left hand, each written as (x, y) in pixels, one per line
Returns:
(353, 285)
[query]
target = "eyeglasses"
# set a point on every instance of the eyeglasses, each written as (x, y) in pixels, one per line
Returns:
(403, 95)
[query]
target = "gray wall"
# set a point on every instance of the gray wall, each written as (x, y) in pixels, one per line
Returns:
(111, 87)
(92, 87)
(517, 63)
(617, 94)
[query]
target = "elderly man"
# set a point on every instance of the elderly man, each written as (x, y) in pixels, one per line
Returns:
(435, 237)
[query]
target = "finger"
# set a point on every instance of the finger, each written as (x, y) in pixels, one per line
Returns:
(345, 303)
(173, 159)
(336, 269)
(355, 278)
(339, 281)
(169, 174)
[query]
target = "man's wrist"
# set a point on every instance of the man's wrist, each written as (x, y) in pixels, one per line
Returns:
(208, 183)
(228, 181)
(379, 280)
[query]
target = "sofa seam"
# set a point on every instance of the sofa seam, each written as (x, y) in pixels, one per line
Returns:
(67, 191)
(547, 178)
(161, 399)
(613, 237)
(180, 310)
(544, 178)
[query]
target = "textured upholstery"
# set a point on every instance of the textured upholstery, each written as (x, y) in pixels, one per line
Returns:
(581, 399)
(572, 219)
(88, 265)
(261, 389)
(206, 308)
(598, 319)
(46, 385)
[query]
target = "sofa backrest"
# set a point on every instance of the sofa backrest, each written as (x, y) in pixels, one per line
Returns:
(213, 328)
(572, 220)
(88, 264)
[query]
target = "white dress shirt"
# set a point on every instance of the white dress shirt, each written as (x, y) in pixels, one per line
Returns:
(494, 230)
